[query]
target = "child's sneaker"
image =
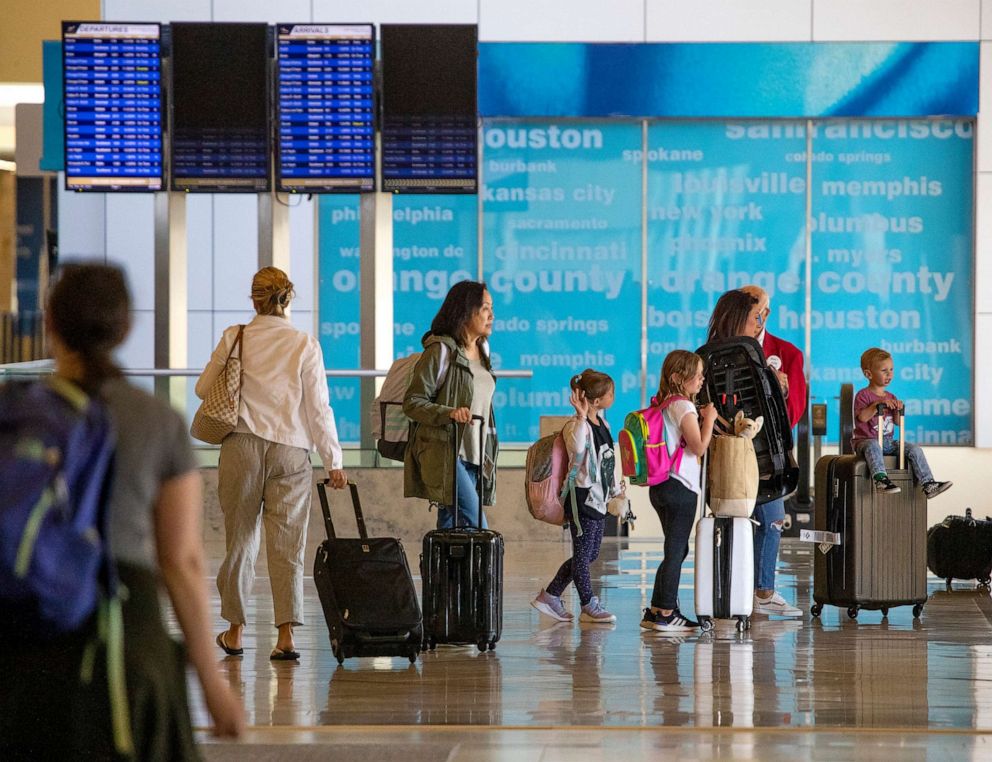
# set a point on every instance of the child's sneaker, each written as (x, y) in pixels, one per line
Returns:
(776, 605)
(594, 612)
(552, 606)
(932, 489)
(674, 622)
(885, 485)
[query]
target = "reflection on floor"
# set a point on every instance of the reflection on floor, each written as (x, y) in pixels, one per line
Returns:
(827, 688)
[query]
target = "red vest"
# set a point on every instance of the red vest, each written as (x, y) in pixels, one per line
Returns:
(793, 367)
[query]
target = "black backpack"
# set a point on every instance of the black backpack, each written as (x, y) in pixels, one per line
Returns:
(737, 378)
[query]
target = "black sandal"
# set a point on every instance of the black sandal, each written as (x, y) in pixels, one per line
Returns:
(226, 648)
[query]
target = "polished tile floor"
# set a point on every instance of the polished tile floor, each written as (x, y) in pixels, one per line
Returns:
(814, 689)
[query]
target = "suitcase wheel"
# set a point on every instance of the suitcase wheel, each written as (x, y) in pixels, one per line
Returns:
(431, 644)
(339, 655)
(949, 582)
(852, 612)
(413, 657)
(492, 645)
(917, 610)
(885, 611)
(483, 645)
(743, 623)
(706, 623)
(815, 609)
(984, 584)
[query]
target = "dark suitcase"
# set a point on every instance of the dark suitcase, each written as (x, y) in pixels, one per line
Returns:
(366, 591)
(737, 378)
(881, 561)
(461, 572)
(960, 547)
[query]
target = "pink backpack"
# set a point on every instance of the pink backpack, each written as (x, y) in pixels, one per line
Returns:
(548, 482)
(644, 455)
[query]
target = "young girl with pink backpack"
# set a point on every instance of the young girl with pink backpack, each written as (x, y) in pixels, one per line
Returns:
(591, 459)
(676, 498)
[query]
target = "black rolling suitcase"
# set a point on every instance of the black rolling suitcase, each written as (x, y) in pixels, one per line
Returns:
(461, 572)
(737, 378)
(882, 559)
(366, 591)
(960, 547)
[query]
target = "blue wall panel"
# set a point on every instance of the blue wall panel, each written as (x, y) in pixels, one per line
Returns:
(732, 80)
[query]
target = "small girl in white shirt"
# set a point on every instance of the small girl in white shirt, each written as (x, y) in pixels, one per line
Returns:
(676, 498)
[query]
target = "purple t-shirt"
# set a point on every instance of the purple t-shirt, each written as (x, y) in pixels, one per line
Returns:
(869, 429)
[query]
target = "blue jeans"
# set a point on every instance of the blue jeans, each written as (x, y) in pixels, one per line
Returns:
(767, 538)
(869, 449)
(468, 499)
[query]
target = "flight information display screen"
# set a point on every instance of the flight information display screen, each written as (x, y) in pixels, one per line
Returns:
(429, 108)
(325, 105)
(220, 107)
(112, 91)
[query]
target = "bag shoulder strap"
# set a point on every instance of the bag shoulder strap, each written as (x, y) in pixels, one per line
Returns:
(442, 367)
(664, 405)
(568, 488)
(674, 398)
(238, 344)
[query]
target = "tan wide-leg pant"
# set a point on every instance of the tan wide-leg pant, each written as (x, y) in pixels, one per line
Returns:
(260, 480)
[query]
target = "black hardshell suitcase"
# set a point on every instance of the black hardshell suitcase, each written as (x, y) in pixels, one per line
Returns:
(366, 591)
(461, 573)
(737, 378)
(882, 559)
(960, 547)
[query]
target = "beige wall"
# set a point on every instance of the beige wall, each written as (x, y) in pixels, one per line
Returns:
(28, 22)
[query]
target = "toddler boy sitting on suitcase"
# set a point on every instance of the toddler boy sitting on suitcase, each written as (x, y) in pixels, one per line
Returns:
(879, 369)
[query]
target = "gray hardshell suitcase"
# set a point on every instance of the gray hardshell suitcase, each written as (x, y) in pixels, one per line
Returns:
(881, 561)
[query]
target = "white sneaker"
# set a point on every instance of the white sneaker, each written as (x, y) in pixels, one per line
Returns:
(775, 606)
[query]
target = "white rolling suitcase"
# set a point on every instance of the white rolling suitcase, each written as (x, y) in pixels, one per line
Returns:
(724, 568)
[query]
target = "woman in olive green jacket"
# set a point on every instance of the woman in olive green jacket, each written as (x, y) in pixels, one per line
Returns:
(456, 349)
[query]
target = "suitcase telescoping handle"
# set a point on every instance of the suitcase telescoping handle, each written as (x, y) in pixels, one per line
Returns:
(326, 510)
(703, 484)
(898, 419)
(454, 464)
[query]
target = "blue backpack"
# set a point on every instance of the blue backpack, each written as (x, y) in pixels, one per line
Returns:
(56, 571)
(56, 454)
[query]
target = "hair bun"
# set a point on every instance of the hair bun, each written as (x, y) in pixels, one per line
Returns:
(270, 287)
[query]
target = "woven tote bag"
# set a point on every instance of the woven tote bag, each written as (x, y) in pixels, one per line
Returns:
(218, 413)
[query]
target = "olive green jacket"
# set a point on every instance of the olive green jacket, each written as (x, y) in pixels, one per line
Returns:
(430, 451)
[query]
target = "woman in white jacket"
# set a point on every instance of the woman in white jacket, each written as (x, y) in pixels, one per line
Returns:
(264, 472)
(591, 464)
